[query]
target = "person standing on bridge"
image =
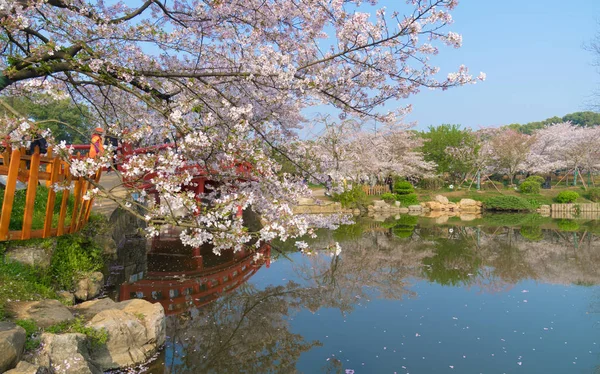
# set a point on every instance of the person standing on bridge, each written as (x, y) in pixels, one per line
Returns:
(96, 148)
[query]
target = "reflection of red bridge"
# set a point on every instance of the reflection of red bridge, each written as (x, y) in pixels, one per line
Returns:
(198, 286)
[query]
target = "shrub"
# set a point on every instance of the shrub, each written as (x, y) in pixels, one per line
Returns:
(432, 183)
(535, 178)
(406, 200)
(403, 187)
(565, 197)
(388, 197)
(507, 203)
(530, 187)
(32, 340)
(351, 198)
(594, 194)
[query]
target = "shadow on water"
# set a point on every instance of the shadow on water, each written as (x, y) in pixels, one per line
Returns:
(223, 318)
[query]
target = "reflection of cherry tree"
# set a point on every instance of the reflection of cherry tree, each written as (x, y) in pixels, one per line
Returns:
(245, 331)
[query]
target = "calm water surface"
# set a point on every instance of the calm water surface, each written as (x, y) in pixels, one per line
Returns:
(404, 296)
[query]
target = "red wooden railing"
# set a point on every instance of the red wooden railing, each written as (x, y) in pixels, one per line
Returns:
(31, 169)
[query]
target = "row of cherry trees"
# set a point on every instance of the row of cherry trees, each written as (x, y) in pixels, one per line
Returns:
(347, 150)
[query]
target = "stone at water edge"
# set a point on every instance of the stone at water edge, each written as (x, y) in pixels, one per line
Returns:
(36, 255)
(12, 343)
(415, 208)
(136, 330)
(66, 353)
(44, 313)
(467, 203)
(441, 199)
(67, 297)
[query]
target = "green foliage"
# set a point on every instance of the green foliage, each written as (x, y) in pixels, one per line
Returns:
(45, 108)
(348, 232)
(39, 208)
(388, 197)
(507, 203)
(565, 197)
(453, 263)
(432, 183)
(403, 187)
(535, 178)
(435, 148)
(353, 198)
(594, 194)
(578, 118)
(406, 200)
(74, 255)
(96, 337)
(530, 187)
(31, 331)
(567, 225)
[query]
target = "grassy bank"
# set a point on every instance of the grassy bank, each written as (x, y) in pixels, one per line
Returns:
(72, 255)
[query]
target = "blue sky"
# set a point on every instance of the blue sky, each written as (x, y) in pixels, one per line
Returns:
(532, 52)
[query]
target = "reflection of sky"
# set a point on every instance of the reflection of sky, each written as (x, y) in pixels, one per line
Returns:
(545, 328)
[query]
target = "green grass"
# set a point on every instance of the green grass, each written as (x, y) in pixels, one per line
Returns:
(39, 208)
(32, 333)
(77, 325)
(73, 255)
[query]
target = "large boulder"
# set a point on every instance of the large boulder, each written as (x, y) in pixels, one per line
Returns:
(90, 308)
(434, 206)
(441, 199)
(106, 242)
(66, 353)
(136, 330)
(38, 254)
(44, 313)
(25, 367)
(89, 286)
(467, 203)
(12, 343)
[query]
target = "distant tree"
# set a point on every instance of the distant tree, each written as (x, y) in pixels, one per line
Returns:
(583, 119)
(74, 121)
(509, 150)
(440, 145)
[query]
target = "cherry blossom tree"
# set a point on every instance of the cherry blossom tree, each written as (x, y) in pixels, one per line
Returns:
(565, 146)
(231, 78)
(508, 150)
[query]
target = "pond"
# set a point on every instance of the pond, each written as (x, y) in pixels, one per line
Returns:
(407, 295)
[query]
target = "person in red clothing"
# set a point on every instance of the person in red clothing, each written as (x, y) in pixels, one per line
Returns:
(97, 146)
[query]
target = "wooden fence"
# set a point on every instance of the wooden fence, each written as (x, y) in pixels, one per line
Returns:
(376, 189)
(31, 169)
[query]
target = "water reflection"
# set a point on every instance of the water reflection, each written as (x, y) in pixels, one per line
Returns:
(293, 316)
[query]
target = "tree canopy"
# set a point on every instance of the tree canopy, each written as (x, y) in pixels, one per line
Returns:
(583, 119)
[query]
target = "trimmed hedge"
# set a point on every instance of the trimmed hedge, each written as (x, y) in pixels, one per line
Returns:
(530, 187)
(388, 197)
(507, 203)
(406, 200)
(565, 197)
(403, 187)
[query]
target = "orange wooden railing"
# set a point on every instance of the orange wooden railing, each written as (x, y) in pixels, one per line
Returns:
(30, 169)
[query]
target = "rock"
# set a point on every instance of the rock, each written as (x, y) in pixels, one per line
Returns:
(379, 203)
(545, 207)
(33, 255)
(106, 243)
(66, 297)
(89, 287)
(467, 202)
(136, 330)
(45, 313)
(90, 308)
(397, 203)
(415, 208)
(403, 210)
(434, 206)
(66, 353)
(441, 219)
(12, 343)
(441, 199)
(25, 367)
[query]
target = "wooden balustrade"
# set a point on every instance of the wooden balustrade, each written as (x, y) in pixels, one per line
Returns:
(376, 189)
(32, 169)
